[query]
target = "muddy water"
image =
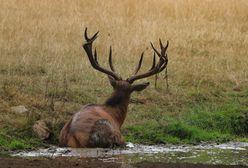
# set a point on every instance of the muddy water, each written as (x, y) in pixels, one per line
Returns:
(233, 153)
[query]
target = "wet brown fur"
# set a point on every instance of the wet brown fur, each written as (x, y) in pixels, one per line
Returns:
(99, 125)
(77, 131)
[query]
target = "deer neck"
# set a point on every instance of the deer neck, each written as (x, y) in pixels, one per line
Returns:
(118, 104)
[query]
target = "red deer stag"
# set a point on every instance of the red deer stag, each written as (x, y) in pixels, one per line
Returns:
(99, 125)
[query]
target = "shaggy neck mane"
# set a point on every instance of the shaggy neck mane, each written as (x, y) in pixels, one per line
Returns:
(119, 102)
(116, 99)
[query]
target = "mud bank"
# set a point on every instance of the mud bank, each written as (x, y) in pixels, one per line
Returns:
(65, 162)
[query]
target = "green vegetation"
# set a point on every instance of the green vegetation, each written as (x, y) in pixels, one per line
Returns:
(8, 142)
(213, 119)
(175, 133)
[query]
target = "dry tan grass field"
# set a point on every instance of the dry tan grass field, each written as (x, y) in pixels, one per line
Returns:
(43, 65)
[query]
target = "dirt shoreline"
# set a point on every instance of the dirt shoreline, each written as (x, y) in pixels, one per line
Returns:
(62, 162)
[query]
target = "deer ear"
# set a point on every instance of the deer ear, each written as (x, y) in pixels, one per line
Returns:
(140, 87)
(112, 81)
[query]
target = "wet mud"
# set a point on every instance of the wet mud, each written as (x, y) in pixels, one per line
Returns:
(62, 162)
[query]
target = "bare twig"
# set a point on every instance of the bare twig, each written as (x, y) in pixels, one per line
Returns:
(166, 79)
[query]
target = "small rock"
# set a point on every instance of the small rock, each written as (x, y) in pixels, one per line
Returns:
(240, 86)
(64, 151)
(130, 145)
(52, 150)
(19, 109)
(41, 129)
(237, 89)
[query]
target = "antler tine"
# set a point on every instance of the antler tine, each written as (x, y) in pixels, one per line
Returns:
(164, 48)
(139, 65)
(85, 34)
(92, 38)
(156, 68)
(167, 45)
(164, 65)
(110, 60)
(93, 58)
(154, 61)
(155, 50)
(161, 44)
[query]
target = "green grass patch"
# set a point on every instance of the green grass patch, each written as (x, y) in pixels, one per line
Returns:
(14, 143)
(205, 117)
(230, 118)
(174, 133)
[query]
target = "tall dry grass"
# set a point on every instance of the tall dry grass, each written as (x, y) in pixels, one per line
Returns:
(208, 38)
(40, 46)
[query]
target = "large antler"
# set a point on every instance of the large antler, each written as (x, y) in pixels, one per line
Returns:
(93, 58)
(156, 68)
